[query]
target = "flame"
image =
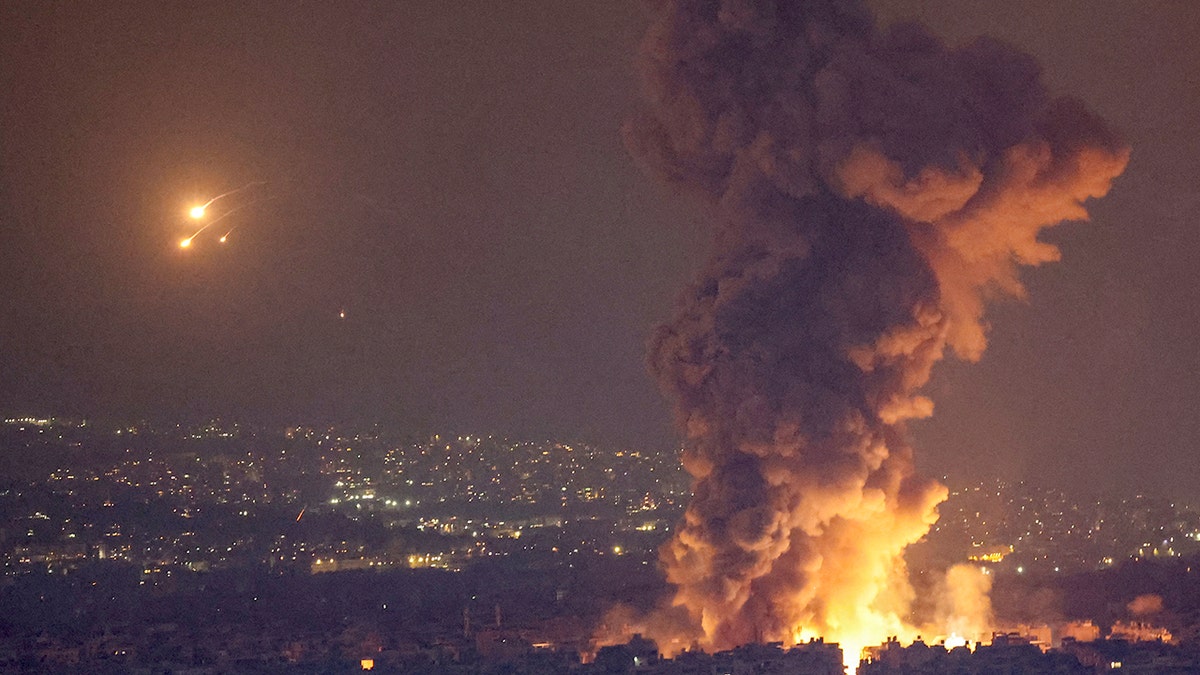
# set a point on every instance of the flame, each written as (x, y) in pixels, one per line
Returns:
(852, 651)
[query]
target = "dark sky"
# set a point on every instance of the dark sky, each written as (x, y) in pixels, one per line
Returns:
(451, 175)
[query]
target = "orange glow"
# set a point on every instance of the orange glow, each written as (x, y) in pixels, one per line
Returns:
(184, 243)
(805, 493)
(367, 664)
(196, 212)
(223, 238)
(955, 641)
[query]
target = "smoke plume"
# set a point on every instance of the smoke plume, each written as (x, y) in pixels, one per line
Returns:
(872, 190)
(964, 607)
(1145, 605)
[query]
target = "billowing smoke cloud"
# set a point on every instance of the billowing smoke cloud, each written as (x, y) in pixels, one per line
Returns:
(873, 189)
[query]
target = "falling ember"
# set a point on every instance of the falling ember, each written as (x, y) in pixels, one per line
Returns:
(223, 238)
(872, 189)
(199, 211)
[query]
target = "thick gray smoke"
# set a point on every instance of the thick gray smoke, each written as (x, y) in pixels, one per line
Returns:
(872, 190)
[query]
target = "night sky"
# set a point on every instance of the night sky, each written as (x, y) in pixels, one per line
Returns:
(451, 176)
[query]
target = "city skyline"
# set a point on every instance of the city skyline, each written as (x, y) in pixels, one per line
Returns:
(336, 544)
(194, 478)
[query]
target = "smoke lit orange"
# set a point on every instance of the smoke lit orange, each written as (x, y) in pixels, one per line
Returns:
(872, 189)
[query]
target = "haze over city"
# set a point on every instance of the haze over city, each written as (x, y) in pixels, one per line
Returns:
(455, 178)
(831, 270)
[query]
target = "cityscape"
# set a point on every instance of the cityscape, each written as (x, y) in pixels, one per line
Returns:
(474, 551)
(693, 337)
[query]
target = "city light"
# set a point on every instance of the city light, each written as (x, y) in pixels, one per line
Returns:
(367, 479)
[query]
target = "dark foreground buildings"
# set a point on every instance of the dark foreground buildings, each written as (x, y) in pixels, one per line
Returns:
(1008, 654)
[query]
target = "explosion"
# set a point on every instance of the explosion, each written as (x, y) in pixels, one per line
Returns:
(873, 189)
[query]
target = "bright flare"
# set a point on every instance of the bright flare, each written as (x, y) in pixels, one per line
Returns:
(184, 243)
(197, 212)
